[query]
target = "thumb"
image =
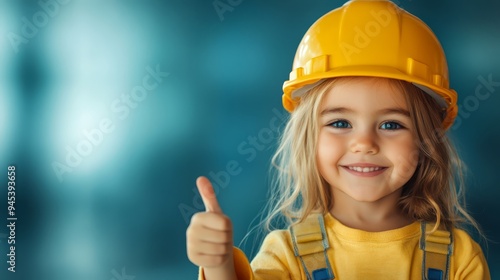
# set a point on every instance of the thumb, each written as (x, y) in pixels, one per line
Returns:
(208, 195)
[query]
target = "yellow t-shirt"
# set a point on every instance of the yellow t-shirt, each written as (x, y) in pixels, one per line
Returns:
(358, 254)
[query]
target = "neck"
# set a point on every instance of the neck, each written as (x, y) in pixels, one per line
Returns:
(375, 216)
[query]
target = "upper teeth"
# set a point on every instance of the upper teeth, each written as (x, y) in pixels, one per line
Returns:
(364, 169)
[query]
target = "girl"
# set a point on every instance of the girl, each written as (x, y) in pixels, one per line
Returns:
(366, 175)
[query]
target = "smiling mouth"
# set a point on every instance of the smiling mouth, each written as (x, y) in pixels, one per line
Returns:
(365, 169)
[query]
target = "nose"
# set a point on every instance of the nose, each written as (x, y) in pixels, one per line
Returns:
(364, 142)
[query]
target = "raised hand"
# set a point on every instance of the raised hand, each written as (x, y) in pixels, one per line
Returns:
(209, 236)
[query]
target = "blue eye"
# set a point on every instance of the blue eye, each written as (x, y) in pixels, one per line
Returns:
(341, 124)
(391, 126)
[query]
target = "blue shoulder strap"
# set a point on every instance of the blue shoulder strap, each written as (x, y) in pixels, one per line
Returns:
(437, 248)
(310, 244)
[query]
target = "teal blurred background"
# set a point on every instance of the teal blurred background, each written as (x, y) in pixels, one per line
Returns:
(156, 93)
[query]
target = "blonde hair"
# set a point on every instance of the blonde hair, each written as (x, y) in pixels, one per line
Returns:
(433, 194)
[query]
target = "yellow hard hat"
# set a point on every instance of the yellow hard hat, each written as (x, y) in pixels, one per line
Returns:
(372, 38)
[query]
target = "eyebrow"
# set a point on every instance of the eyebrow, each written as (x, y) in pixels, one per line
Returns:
(386, 111)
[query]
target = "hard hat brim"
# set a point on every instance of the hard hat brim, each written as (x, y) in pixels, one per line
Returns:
(296, 88)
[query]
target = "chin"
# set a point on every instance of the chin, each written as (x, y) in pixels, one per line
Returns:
(369, 197)
(365, 198)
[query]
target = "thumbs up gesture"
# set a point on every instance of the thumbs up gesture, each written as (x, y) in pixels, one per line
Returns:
(209, 236)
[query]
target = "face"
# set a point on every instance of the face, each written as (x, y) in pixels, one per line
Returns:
(366, 149)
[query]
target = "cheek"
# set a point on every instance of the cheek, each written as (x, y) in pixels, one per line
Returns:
(328, 145)
(406, 159)
(329, 151)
